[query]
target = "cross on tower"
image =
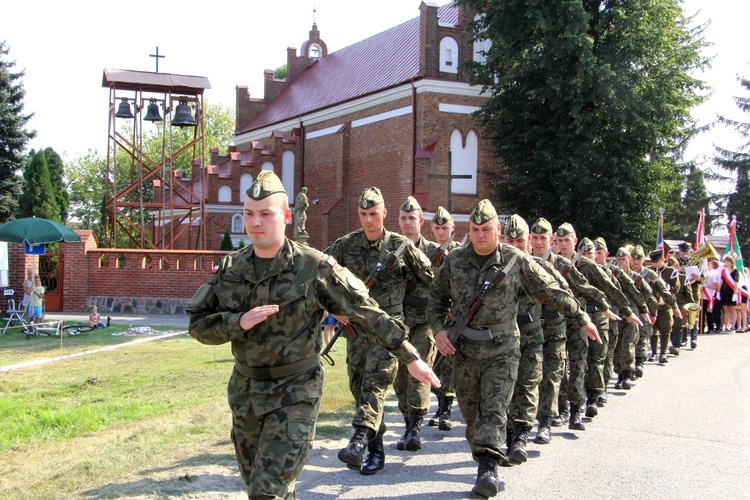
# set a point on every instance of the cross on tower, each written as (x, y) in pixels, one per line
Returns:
(450, 176)
(157, 56)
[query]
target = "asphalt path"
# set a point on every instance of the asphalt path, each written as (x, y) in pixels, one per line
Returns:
(681, 432)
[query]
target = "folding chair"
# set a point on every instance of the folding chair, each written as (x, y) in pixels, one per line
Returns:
(12, 312)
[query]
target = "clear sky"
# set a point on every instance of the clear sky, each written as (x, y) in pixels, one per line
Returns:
(65, 46)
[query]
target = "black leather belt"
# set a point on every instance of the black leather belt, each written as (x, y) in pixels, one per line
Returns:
(550, 314)
(590, 308)
(416, 302)
(524, 319)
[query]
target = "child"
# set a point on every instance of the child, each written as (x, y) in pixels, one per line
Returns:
(94, 319)
(37, 299)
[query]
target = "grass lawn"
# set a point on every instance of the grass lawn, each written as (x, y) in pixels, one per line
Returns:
(76, 425)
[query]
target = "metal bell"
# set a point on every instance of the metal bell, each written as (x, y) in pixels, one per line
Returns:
(124, 110)
(183, 117)
(152, 112)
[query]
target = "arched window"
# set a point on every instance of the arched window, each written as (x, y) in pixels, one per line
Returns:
(314, 51)
(464, 161)
(267, 166)
(225, 194)
(448, 55)
(480, 46)
(238, 225)
(287, 174)
(246, 180)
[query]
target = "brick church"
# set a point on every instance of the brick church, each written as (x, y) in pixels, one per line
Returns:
(392, 111)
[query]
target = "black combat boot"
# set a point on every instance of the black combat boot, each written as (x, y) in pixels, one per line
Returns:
(618, 384)
(435, 420)
(639, 366)
(591, 409)
(487, 483)
(354, 451)
(626, 382)
(693, 338)
(674, 351)
(663, 358)
(575, 423)
(518, 453)
(444, 422)
(543, 434)
(413, 435)
(401, 443)
(375, 457)
(560, 420)
(601, 399)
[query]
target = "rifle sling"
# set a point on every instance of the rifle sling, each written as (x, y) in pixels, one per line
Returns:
(489, 332)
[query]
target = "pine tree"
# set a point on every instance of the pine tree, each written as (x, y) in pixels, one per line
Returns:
(13, 135)
(226, 241)
(37, 198)
(56, 173)
(737, 163)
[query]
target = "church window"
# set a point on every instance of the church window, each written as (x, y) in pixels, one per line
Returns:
(225, 194)
(448, 55)
(481, 46)
(246, 180)
(287, 173)
(464, 161)
(314, 51)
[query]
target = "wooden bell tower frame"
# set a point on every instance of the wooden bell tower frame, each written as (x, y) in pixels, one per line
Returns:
(177, 211)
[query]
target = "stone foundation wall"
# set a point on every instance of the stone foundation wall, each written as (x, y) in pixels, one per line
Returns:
(138, 305)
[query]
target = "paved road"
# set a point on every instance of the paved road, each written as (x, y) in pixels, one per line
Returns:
(682, 432)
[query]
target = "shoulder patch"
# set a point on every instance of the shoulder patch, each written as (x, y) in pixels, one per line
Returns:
(215, 269)
(331, 261)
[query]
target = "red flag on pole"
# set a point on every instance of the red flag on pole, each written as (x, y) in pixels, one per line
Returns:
(699, 233)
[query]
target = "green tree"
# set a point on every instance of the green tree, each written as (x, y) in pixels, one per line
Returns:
(226, 241)
(682, 217)
(56, 175)
(590, 101)
(85, 175)
(280, 72)
(737, 164)
(37, 198)
(13, 135)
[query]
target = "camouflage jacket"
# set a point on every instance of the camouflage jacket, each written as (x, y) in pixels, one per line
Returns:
(628, 288)
(439, 262)
(461, 277)
(579, 285)
(645, 290)
(417, 293)
(354, 252)
(598, 278)
(659, 287)
(304, 283)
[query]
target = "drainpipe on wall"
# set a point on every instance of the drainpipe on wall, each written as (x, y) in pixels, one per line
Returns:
(302, 154)
(413, 136)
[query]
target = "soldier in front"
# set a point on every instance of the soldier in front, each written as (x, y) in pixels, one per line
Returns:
(268, 300)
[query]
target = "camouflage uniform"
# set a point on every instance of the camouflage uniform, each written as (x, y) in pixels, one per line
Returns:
(683, 297)
(371, 368)
(276, 385)
(645, 330)
(485, 379)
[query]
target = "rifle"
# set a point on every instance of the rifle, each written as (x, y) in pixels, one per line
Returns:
(455, 332)
(573, 264)
(441, 252)
(347, 328)
(386, 265)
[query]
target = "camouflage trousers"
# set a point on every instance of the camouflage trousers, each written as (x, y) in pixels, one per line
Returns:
(414, 396)
(614, 338)
(371, 370)
(596, 355)
(625, 350)
(445, 374)
(662, 331)
(553, 366)
(484, 386)
(578, 348)
(644, 335)
(272, 449)
(525, 400)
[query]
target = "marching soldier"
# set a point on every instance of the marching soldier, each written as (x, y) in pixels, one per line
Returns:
(414, 396)
(268, 300)
(664, 315)
(443, 228)
(371, 368)
(488, 348)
